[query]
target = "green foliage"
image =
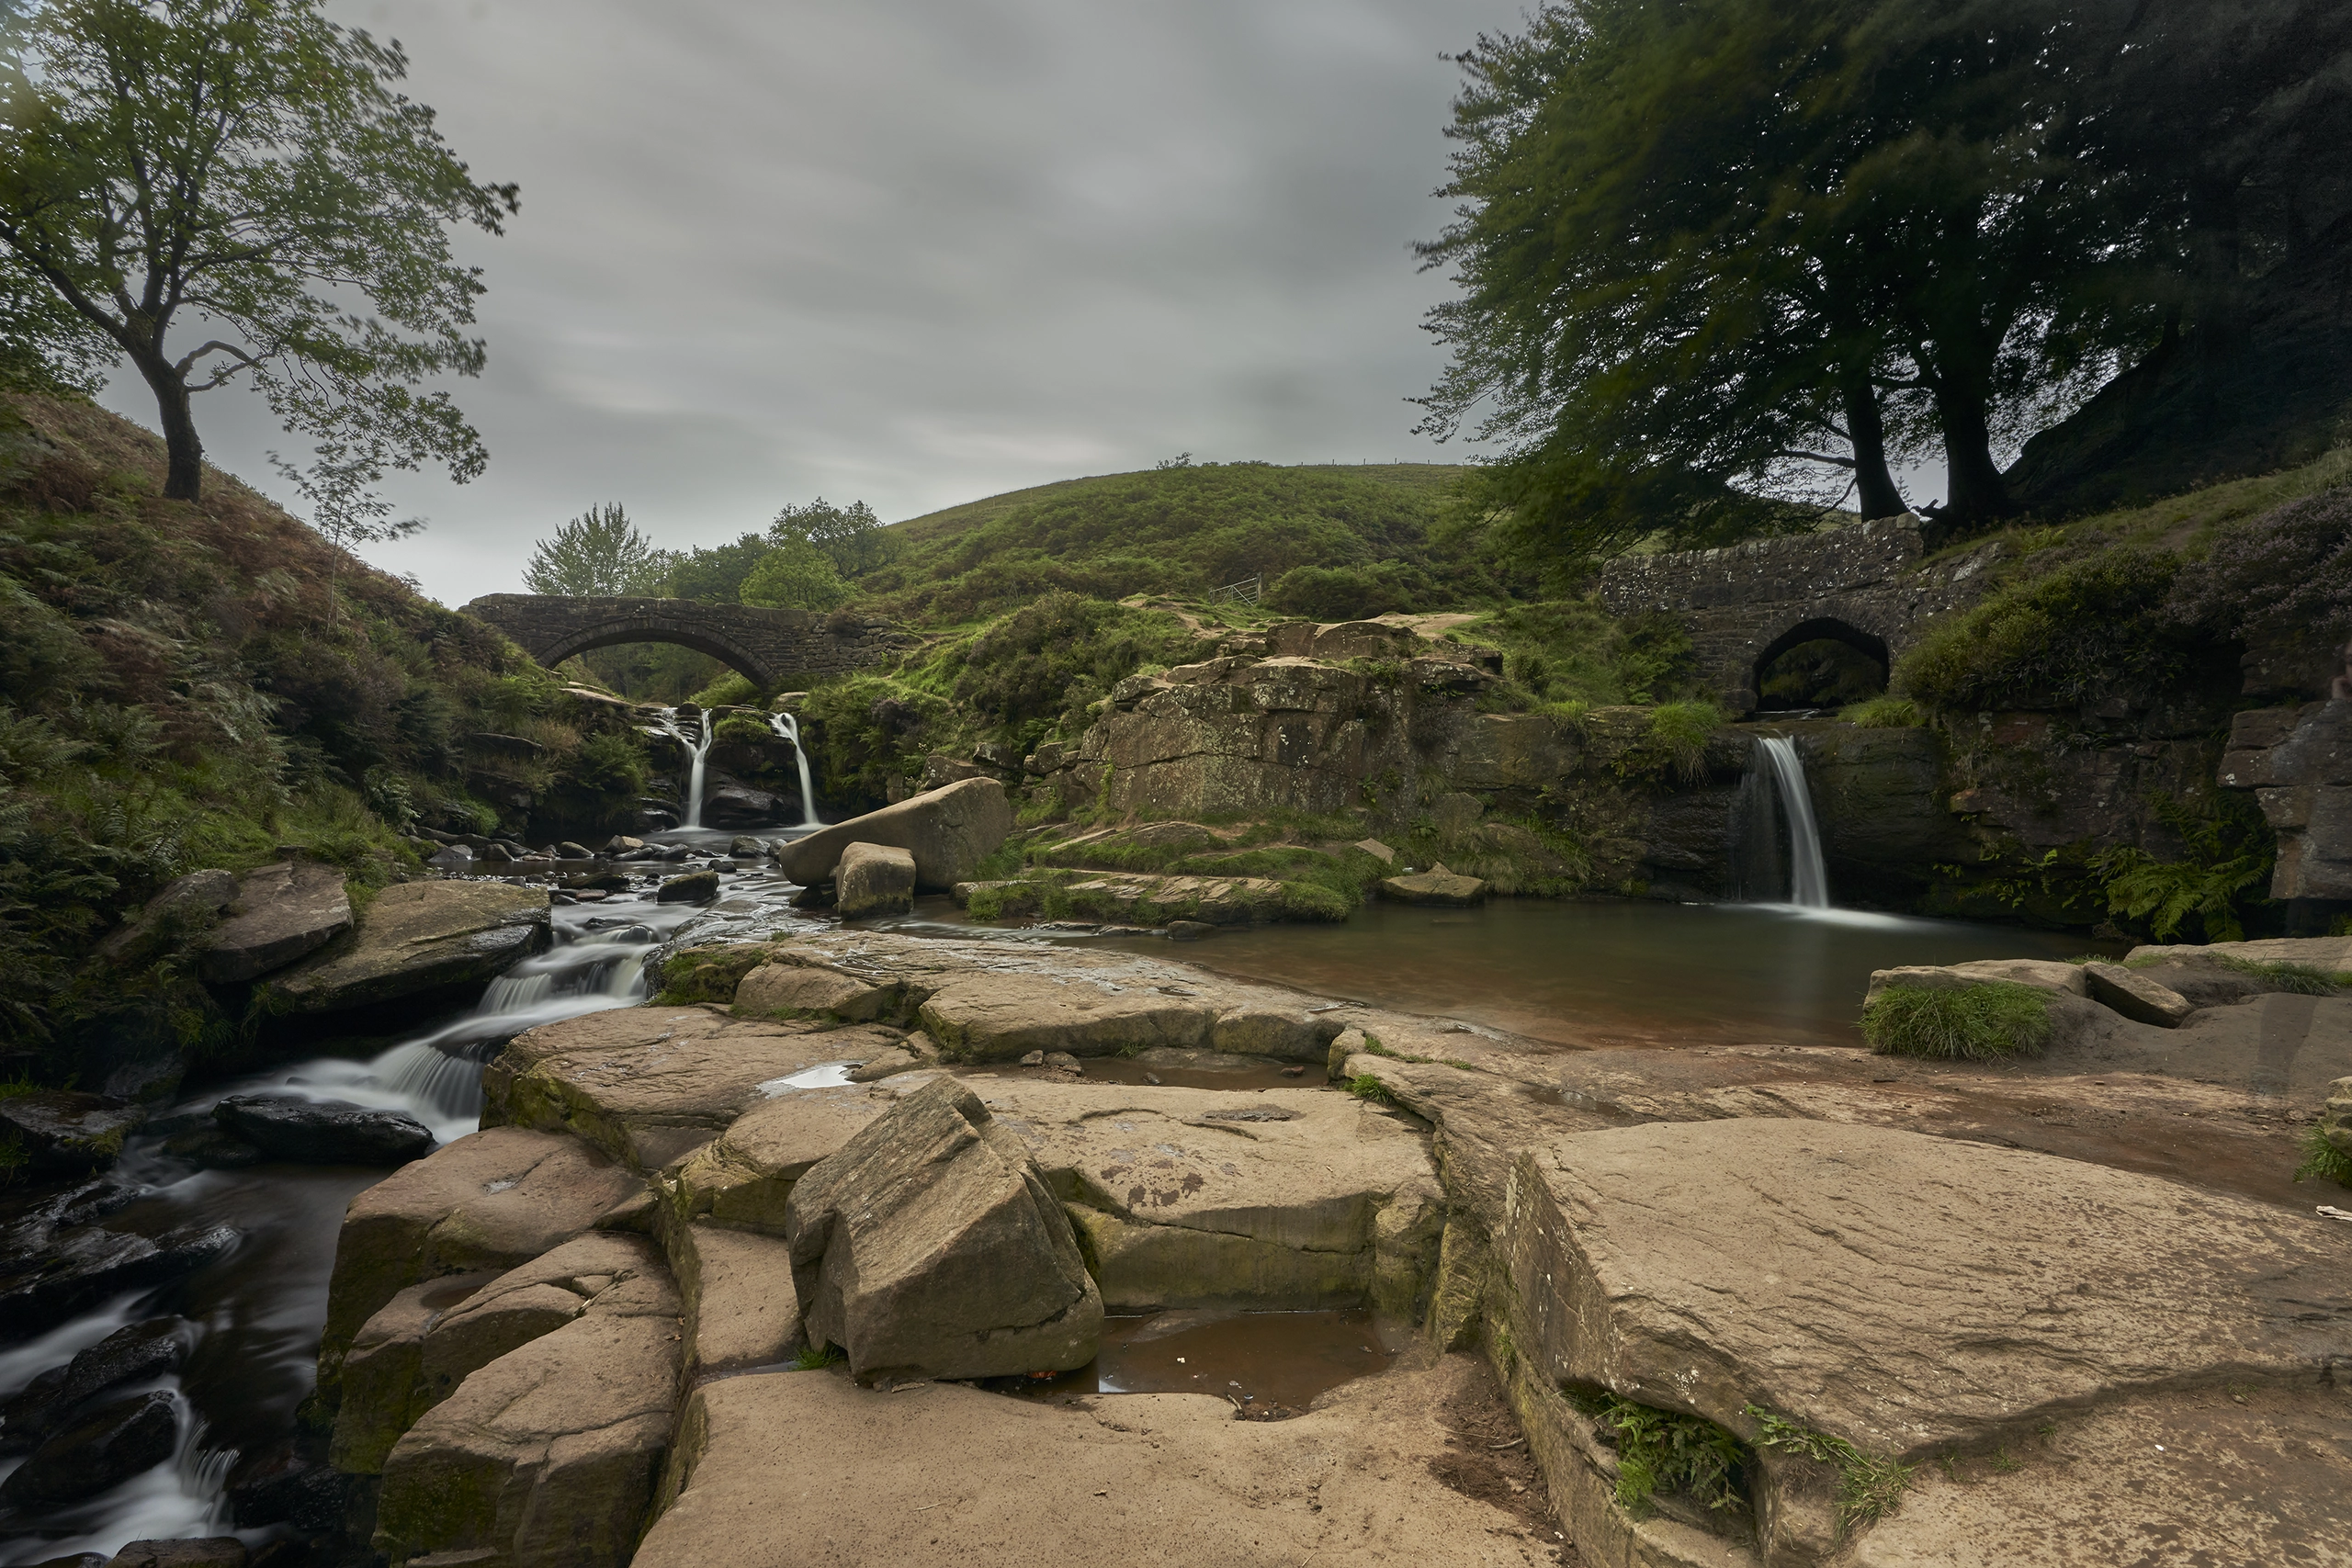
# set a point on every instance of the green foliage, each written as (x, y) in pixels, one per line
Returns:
(2302, 979)
(795, 575)
(1040, 668)
(715, 574)
(1364, 1085)
(598, 554)
(851, 537)
(2092, 626)
(1884, 712)
(1661, 1451)
(813, 1358)
(1981, 1022)
(1869, 1487)
(1572, 651)
(281, 179)
(2287, 575)
(865, 730)
(1184, 532)
(2231, 849)
(2322, 1159)
(1824, 673)
(1674, 742)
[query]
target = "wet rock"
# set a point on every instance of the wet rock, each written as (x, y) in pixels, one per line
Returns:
(785, 989)
(1189, 930)
(2135, 995)
(203, 1551)
(323, 1131)
(61, 1272)
(746, 846)
(1292, 1198)
(745, 1176)
(1000, 1018)
(739, 805)
(622, 844)
(382, 1386)
(1435, 886)
(570, 850)
(2042, 975)
(65, 1133)
(546, 1455)
(184, 902)
(931, 1243)
(454, 859)
(873, 879)
(490, 1201)
(282, 912)
(693, 887)
(141, 1351)
(419, 941)
(103, 1449)
(949, 831)
(278, 1486)
(212, 1147)
(649, 1085)
(1832, 1273)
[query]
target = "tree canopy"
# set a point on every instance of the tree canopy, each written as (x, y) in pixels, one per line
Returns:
(1713, 253)
(244, 173)
(598, 554)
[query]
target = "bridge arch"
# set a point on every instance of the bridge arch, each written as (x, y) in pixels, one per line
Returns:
(702, 639)
(1820, 628)
(768, 647)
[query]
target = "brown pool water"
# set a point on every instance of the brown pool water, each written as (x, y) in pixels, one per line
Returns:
(1267, 1364)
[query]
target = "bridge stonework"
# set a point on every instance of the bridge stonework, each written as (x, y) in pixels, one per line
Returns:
(1746, 605)
(771, 647)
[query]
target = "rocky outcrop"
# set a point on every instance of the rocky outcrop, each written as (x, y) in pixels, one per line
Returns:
(416, 943)
(65, 1133)
(745, 1176)
(742, 1309)
(930, 1245)
(323, 1132)
(873, 879)
(184, 902)
(2299, 763)
(949, 831)
(1435, 886)
(2136, 996)
(1003, 1018)
(282, 912)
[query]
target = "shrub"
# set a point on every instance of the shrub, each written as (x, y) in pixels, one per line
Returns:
(795, 575)
(2093, 625)
(1043, 665)
(2286, 573)
(1966, 1023)
(1347, 592)
(2231, 849)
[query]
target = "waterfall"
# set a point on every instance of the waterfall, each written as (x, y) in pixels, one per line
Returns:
(785, 725)
(1772, 795)
(699, 749)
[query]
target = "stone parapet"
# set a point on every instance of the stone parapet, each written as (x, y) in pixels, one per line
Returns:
(769, 647)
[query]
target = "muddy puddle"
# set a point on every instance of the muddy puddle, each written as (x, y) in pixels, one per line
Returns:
(1268, 1365)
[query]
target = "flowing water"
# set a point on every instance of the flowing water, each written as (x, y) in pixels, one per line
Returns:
(788, 727)
(697, 747)
(1774, 798)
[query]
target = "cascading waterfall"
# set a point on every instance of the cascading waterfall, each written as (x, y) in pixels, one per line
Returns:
(788, 727)
(1774, 796)
(698, 749)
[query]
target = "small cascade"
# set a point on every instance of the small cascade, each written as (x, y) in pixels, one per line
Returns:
(788, 727)
(699, 749)
(1776, 844)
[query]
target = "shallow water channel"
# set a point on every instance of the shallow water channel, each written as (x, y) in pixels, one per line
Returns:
(1596, 974)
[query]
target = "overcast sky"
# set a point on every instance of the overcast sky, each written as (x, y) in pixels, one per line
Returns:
(914, 252)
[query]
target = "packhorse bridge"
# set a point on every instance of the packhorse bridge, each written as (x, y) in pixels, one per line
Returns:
(1746, 605)
(771, 647)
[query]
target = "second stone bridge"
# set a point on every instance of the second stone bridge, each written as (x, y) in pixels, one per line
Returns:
(773, 647)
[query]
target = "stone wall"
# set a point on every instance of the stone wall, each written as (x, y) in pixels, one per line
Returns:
(771, 647)
(1745, 603)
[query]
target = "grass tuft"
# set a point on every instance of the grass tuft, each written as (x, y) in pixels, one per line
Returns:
(816, 1358)
(1869, 1487)
(1884, 712)
(1962, 1023)
(2303, 979)
(2324, 1160)
(1364, 1085)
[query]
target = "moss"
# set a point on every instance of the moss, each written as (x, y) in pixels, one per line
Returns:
(1669, 1451)
(816, 1358)
(707, 974)
(1973, 1024)
(2090, 626)
(1869, 1487)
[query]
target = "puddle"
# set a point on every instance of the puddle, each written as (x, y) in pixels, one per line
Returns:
(1269, 1364)
(825, 1074)
(1242, 1078)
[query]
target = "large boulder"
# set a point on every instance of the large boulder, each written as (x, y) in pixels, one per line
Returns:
(745, 1176)
(949, 831)
(873, 879)
(1436, 886)
(742, 1312)
(185, 901)
(1003, 1018)
(417, 941)
(490, 1201)
(282, 912)
(379, 1385)
(546, 1457)
(2137, 996)
(323, 1131)
(930, 1245)
(64, 1133)
(47, 1275)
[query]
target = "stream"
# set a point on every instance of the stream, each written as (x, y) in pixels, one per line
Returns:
(1591, 974)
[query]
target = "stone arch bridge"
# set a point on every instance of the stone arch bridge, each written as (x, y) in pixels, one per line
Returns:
(773, 647)
(1746, 605)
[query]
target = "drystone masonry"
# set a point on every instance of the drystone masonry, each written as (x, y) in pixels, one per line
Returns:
(771, 647)
(1746, 605)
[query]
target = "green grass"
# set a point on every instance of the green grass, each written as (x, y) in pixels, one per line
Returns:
(2324, 1160)
(817, 1358)
(1665, 1451)
(1364, 1085)
(1884, 712)
(2303, 979)
(1969, 1023)
(1869, 1487)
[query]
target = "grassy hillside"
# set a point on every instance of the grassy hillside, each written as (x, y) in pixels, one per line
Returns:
(1331, 542)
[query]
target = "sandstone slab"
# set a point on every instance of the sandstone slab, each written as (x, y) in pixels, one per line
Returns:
(785, 989)
(2136, 996)
(1138, 1481)
(1001, 1018)
(651, 1085)
(873, 879)
(744, 1176)
(741, 1311)
(949, 831)
(930, 1245)
(490, 1201)
(2042, 975)
(185, 901)
(379, 1387)
(419, 940)
(1903, 1293)
(281, 913)
(1435, 886)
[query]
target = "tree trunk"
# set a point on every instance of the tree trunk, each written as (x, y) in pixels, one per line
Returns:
(1976, 492)
(1874, 485)
(184, 454)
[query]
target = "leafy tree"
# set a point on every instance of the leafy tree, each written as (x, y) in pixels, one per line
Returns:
(248, 170)
(714, 574)
(339, 483)
(795, 575)
(852, 536)
(596, 555)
